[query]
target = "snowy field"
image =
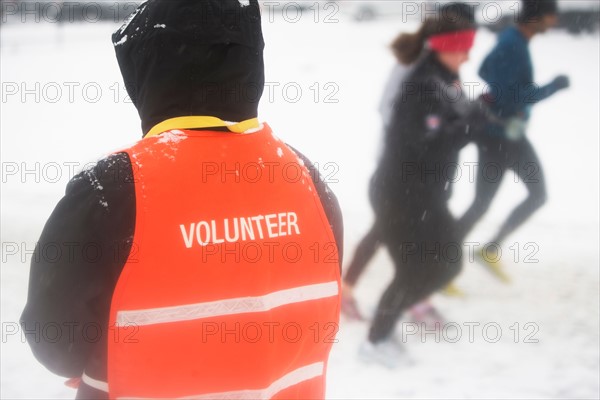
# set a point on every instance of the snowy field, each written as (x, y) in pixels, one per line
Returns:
(64, 105)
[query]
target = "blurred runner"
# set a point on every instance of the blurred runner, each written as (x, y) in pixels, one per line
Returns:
(508, 71)
(431, 122)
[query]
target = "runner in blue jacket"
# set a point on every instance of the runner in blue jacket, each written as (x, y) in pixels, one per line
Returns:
(508, 70)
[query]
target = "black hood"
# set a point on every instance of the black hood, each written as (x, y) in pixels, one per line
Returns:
(192, 57)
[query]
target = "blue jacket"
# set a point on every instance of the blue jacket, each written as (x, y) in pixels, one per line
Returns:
(509, 73)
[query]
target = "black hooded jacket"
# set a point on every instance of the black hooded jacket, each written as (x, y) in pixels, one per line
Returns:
(88, 237)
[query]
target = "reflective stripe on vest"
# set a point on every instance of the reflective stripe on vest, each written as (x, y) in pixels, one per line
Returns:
(94, 383)
(231, 288)
(293, 378)
(226, 307)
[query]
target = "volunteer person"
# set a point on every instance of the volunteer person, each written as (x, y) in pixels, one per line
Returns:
(205, 282)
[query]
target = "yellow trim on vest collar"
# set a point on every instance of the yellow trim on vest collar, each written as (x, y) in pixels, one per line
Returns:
(195, 121)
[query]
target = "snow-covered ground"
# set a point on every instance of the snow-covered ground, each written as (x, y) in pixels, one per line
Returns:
(535, 338)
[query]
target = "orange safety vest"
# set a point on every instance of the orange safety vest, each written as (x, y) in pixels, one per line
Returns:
(231, 289)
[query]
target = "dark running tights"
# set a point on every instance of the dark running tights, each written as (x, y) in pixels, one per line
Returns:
(364, 252)
(495, 158)
(416, 279)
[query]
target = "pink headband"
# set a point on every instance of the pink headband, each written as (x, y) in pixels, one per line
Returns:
(453, 41)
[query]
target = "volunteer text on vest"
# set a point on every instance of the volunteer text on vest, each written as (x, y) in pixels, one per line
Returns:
(237, 229)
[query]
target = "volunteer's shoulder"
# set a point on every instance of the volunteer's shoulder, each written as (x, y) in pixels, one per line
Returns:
(329, 202)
